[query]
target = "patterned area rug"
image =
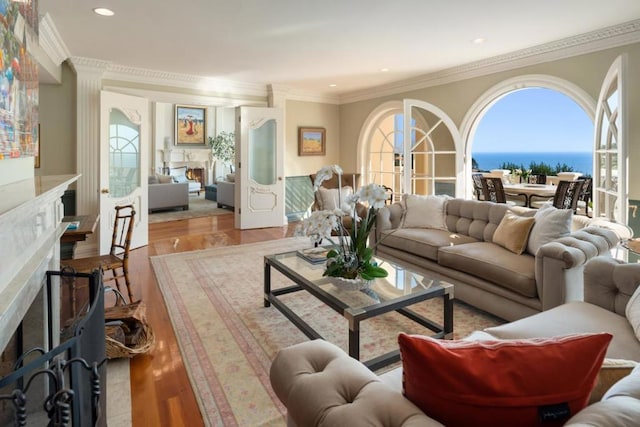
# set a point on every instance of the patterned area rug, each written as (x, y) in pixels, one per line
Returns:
(228, 339)
(198, 207)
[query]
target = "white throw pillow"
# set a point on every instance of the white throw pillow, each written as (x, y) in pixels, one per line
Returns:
(329, 197)
(632, 312)
(424, 211)
(550, 224)
(164, 179)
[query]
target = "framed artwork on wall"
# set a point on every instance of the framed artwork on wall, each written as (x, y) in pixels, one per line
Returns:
(191, 125)
(311, 141)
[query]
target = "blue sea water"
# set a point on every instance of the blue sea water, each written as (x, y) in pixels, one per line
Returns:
(579, 160)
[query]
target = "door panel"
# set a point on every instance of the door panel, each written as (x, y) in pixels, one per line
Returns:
(124, 162)
(260, 168)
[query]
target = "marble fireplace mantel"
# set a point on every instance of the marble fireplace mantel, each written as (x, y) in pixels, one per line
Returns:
(31, 213)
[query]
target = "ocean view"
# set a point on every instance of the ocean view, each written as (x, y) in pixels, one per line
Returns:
(580, 161)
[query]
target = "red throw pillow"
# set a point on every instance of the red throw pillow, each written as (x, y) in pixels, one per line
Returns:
(533, 382)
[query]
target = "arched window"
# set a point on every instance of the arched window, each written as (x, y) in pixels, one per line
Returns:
(431, 149)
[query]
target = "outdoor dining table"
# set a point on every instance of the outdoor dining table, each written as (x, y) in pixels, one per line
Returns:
(528, 190)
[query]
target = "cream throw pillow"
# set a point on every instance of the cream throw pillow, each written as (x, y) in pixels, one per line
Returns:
(424, 211)
(329, 197)
(632, 312)
(513, 232)
(550, 224)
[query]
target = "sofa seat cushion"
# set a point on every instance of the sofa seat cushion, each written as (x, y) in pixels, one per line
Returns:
(493, 263)
(424, 242)
(576, 317)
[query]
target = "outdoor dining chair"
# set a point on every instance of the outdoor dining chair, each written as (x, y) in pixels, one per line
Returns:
(477, 185)
(567, 195)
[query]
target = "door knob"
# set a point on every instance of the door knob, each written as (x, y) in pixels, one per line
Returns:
(105, 191)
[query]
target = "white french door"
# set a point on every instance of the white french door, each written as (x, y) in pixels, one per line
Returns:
(431, 163)
(124, 162)
(610, 198)
(259, 189)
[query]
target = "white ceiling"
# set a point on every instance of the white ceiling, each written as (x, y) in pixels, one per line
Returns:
(309, 44)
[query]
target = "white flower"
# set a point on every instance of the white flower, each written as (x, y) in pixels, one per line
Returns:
(325, 174)
(374, 194)
(320, 224)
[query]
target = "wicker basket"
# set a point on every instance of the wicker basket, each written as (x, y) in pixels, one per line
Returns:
(133, 319)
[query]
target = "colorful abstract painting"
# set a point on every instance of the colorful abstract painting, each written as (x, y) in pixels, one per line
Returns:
(18, 79)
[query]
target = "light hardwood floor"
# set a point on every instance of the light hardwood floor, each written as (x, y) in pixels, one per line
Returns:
(160, 388)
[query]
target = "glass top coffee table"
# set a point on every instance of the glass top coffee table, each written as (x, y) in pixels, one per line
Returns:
(399, 290)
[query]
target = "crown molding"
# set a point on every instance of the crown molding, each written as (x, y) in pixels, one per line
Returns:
(606, 38)
(298, 95)
(88, 67)
(164, 78)
(51, 42)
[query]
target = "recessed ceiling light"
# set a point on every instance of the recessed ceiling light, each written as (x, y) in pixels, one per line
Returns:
(384, 70)
(333, 85)
(103, 11)
(479, 40)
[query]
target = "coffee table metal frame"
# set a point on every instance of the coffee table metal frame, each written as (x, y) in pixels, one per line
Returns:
(355, 315)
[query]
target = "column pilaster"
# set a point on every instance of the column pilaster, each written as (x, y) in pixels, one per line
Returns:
(89, 74)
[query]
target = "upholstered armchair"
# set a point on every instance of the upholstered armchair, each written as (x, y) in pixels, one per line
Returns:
(326, 197)
(179, 175)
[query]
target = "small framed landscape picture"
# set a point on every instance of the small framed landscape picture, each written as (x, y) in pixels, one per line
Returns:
(311, 141)
(191, 124)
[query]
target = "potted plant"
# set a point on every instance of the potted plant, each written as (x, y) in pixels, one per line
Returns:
(223, 147)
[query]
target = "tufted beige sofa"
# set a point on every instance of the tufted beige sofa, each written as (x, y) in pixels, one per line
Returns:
(322, 386)
(485, 274)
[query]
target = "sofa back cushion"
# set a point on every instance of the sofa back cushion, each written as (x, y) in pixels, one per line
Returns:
(478, 219)
(510, 382)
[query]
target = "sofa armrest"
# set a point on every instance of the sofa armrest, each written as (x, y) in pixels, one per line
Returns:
(322, 386)
(560, 264)
(388, 218)
(609, 283)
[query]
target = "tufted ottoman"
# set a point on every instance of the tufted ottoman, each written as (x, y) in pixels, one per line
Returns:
(211, 192)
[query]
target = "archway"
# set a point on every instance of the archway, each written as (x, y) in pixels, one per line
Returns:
(490, 97)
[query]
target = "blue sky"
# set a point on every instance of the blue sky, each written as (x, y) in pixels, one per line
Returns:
(534, 120)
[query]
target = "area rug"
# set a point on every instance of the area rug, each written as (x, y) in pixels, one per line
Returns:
(228, 338)
(198, 207)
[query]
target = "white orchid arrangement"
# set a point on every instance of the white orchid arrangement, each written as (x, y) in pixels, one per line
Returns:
(353, 258)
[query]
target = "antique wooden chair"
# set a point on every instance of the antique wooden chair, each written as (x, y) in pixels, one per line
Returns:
(117, 260)
(324, 200)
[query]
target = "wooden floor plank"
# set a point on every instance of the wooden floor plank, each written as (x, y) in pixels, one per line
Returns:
(160, 388)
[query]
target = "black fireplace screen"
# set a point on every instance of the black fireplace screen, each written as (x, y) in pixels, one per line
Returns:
(66, 385)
